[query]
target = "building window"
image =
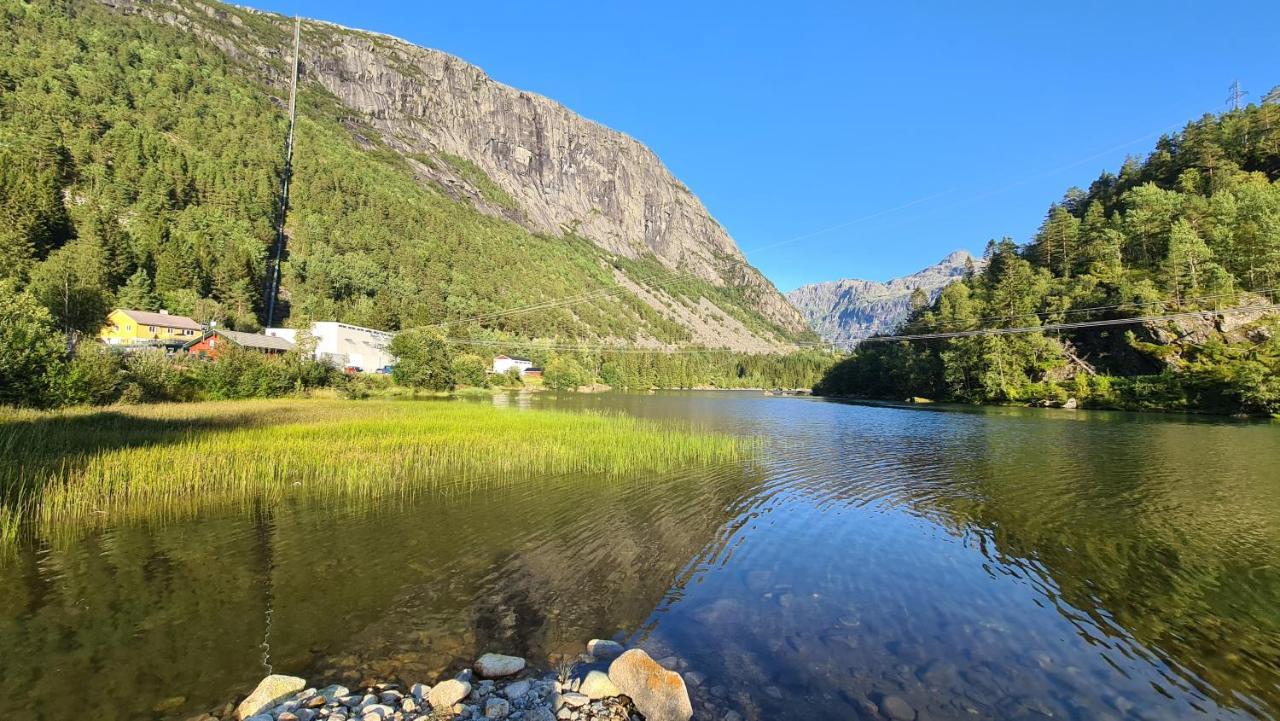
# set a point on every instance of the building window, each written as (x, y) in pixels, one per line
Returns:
(151, 329)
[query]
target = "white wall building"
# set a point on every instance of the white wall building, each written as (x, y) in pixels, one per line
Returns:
(503, 363)
(345, 345)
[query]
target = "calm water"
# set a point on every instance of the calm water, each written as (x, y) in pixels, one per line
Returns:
(977, 564)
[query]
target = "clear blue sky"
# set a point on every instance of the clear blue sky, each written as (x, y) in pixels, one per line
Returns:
(787, 119)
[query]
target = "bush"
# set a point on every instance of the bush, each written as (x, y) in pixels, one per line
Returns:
(565, 374)
(152, 376)
(422, 359)
(95, 376)
(469, 369)
(31, 350)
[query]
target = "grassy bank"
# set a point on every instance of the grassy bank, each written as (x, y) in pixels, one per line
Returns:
(84, 468)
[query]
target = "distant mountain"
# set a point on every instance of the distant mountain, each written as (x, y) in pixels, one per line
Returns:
(845, 310)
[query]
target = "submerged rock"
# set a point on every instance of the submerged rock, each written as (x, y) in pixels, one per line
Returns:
(659, 694)
(270, 691)
(495, 665)
(603, 649)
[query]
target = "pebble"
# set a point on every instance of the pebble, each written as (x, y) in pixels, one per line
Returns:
(516, 690)
(447, 693)
(573, 699)
(496, 708)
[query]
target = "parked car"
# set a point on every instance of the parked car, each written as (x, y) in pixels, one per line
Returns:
(385, 370)
(352, 370)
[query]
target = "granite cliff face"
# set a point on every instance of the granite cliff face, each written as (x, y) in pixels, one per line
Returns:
(843, 311)
(511, 153)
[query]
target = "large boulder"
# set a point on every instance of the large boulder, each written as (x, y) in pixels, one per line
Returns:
(446, 693)
(495, 665)
(270, 692)
(659, 694)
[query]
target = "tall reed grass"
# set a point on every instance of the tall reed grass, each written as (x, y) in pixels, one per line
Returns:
(81, 469)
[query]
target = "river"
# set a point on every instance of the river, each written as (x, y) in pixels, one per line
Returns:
(973, 563)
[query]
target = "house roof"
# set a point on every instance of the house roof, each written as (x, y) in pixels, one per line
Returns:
(146, 317)
(248, 340)
(256, 340)
(513, 358)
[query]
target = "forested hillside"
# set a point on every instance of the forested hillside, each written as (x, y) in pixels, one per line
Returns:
(1194, 227)
(140, 159)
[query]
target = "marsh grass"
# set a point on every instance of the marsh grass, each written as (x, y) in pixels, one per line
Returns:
(81, 469)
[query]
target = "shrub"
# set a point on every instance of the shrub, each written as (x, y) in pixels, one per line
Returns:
(95, 376)
(469, 369)
(31, 350)
(565, 374)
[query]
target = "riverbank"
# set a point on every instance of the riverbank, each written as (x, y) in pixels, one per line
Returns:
(90, 467)
(606, 683)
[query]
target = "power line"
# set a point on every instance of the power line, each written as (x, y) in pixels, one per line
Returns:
(273, 285)
(673, 282)
(1066, 326)
(1236, 95)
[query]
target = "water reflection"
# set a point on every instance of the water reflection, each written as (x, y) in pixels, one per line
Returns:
(876, 563)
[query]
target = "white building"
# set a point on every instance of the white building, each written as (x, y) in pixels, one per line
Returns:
(503, 363)
(345, 345)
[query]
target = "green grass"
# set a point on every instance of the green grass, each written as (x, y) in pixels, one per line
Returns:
(85, 468)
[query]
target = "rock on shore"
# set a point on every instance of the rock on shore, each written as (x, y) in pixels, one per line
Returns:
(499, 687)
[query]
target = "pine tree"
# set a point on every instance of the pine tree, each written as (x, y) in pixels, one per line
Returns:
(137, 293)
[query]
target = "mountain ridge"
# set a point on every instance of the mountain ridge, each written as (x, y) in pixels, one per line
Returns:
(512, 154)
(844, 311)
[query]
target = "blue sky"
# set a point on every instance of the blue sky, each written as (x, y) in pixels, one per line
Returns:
(837, 141)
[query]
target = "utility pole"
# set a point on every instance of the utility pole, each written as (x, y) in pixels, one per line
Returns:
(273, 283)
(1236, 94)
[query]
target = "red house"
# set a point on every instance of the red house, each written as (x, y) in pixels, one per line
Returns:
(212, 341)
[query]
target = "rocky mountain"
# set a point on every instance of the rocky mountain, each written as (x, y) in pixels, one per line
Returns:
(843, 311)
(512, 155)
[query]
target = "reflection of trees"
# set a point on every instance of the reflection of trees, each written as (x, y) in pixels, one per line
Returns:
(136, 615)
(1162, 538)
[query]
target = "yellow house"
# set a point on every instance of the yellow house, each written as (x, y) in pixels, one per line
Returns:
(141, 327)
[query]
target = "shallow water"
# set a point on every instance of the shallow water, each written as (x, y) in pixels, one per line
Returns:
(973, 563)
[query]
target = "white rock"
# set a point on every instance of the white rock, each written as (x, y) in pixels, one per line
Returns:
(495, 665)
(270, 691)
(420, 691)
(376, 712)
(573, 699)
(597, 685)
(447, 693)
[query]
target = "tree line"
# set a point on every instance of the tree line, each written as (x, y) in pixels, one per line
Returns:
(1194, 226)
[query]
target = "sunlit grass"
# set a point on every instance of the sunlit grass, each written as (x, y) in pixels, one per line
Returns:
(78, 469)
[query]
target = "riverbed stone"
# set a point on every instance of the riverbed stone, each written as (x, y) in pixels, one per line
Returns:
(496, 665)
(516, 690)
(658, 694)
(573, 699)
(447, 693)
(497, 708)
(376, 712)
(597, 685)
(604, 649)
(270, 691)
(897, 709)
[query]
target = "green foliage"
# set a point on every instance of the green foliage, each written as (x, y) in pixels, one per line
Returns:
(94, 377)
(564, 373)
(31, 350)
(469, 370)
(137, 293)
(470, 172)
(422, 359)
(1195, 226)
